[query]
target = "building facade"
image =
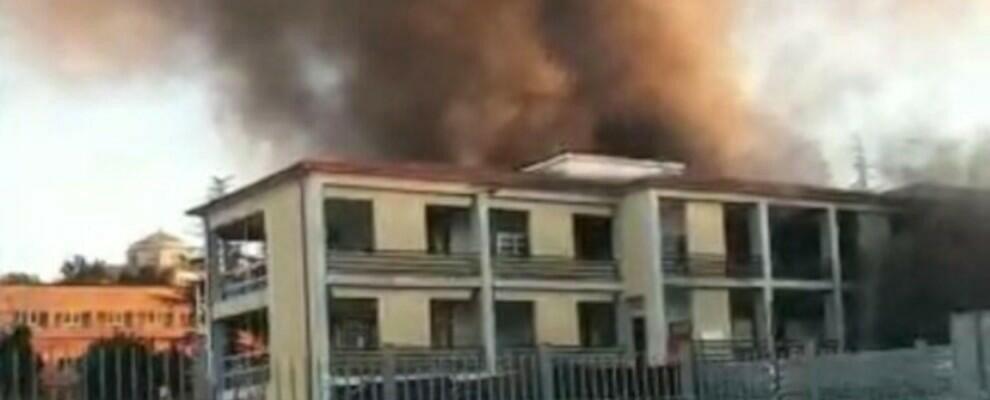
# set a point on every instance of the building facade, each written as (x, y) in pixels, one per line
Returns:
(66, 319)
(327, 258)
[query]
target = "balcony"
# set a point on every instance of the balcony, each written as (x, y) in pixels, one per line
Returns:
(244, 277)
(402, 262)
(245, 370)
(549, 267)
(712, 265)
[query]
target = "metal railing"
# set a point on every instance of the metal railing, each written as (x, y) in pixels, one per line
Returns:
(106, 372)
(243, 280)
(803, 270)
(712, 265)
(402, 262)
(246, 370)
(551, 267)
(537, 374)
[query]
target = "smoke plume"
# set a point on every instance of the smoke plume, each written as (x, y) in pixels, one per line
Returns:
(759, 87)
(489, 81)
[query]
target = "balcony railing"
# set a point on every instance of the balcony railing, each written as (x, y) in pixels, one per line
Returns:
(544, 267)
(402, 262)
(802, 270)
(712, 265)
(245, 370)
(243, 278)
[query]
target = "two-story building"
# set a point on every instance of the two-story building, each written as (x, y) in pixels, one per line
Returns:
(327, 258)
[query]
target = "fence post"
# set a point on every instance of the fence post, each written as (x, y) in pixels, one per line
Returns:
(687, 367)
(390, 389)
(811, 373)
(546, 376)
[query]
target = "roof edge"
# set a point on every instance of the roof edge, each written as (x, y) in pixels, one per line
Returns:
(292, 171)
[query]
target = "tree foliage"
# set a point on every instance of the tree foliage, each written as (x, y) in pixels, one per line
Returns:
(19, 278)
(79, 270)
(19, 366)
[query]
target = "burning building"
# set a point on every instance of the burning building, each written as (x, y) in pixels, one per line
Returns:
(330, 258)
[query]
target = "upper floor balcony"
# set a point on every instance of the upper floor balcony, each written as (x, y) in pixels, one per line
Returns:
(554, 267)
(241, 254)
(713, 265)
(402, 262)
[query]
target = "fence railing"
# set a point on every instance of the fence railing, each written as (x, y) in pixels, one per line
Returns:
(118, 372)
(402, 262)
(519, 374)
(550, 267)
(128, 373)
(712, 265)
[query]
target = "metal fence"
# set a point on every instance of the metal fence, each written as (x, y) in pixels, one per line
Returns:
(119, 373)
(523, 375)
(821, 374)
(128, 373)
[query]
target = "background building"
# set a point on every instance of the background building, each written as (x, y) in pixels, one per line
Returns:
(66, 319)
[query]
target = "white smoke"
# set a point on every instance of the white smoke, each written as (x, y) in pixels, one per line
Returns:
(910, 77)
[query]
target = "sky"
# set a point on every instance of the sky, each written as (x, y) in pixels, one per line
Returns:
(91, 167)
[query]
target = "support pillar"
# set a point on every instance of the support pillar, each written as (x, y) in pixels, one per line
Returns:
(654, 307)
(766, 257)
(486, 294)
(837, 321)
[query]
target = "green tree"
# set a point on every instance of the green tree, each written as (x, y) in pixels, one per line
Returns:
(19, 278)
(123, 368)
(19, 366)
(147, 276)
(79, 270)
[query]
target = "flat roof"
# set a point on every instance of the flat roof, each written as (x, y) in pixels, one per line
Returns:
(494, 177)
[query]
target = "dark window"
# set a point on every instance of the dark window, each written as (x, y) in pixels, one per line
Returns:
(442, 324)
(354, 324)
(514, 323)
(673, 228)
(510, 232)
(43, 319)
(597, 324)
(592, 237)
(87, 319)
(448, 230)
(128, 319)
(350, 225)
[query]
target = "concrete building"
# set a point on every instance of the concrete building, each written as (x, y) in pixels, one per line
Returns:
(329, 257)
(158, 250)
(164, 255)
(66, 319)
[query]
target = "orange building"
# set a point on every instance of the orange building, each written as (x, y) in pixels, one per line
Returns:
(66, 319)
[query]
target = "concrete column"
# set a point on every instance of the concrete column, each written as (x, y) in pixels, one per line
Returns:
(486, 294)
(837, 322)
(314, 237)
(211, 293)
(217, 344)
(763, 220)
(654, 309)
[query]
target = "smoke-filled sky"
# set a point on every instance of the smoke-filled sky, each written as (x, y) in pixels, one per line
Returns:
(115, 113)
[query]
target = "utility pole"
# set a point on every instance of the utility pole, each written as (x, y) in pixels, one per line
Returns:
(861, 165)
(219, 186)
